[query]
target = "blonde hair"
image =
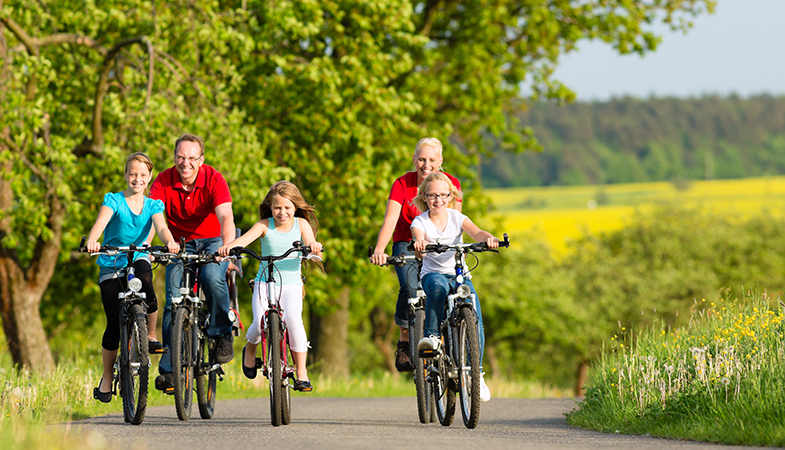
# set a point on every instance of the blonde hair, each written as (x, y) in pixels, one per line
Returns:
(421, 202)
(431, 142)
(288, 190)
(138, 157)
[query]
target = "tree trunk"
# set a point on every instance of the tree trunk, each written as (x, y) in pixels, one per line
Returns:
(21, 291)
(331, 338)
(384, 328)
(580, 381)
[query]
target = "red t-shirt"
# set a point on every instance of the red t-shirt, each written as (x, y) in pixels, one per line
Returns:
(191, 214)
(403, 191)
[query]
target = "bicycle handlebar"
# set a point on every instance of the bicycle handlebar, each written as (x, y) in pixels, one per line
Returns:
(474, 247)
(297, 246)
(397, 260)
(114, 249)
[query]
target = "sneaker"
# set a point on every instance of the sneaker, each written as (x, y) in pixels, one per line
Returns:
(224, 352)
(165, 382)
(430, 343)
(402, 361)
(485, 393)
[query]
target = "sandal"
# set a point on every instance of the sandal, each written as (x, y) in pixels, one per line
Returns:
(302, 386)
(154, 347)
(103, 397)
(249, 372)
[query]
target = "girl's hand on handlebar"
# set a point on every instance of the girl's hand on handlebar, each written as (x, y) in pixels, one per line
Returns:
(93, 246)
(379, 259)
(492, 242)
(316, 248)
(420, 244)
(224, 250)
(173, 247)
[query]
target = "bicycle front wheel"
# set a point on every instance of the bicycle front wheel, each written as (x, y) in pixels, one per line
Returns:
(274, 368)
(206, 380)
(444, 397)
(182, 362)
(134, 365)
(423, 388)
(468, 367)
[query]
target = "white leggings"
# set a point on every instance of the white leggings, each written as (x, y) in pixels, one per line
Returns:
(291, 301)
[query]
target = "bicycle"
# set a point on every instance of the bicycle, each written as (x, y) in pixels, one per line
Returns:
(192, 350)
(456, 363)
(233, 273)
(416, 323)
(275, 341)
(133, 361)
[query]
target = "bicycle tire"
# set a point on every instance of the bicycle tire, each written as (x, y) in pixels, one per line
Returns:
(206, 380)
(182, 362)
(274, 368)
(286, 388)
(443, 395)
(420, 369)
(134, 365)
(468, 353)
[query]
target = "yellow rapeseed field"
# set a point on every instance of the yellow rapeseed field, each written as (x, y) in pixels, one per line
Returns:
(567, 212)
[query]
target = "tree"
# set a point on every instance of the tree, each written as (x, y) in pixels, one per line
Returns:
(82, 86)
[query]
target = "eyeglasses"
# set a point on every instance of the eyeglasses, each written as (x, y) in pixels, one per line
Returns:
(180, 159)
(435, 196)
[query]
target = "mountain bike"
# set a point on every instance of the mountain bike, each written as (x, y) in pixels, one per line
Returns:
(133, 362)
(192, 351)
(274, 362)
(416, 322)
(456, 365)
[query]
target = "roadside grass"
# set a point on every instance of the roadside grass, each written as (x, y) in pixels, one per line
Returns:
(29, 402)
(718, 379)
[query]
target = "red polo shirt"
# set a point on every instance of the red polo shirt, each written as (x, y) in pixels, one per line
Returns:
(191, 214)
(403, 191)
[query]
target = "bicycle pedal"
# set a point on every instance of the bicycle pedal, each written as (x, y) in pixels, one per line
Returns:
(428, 353)
(169, 391)
(159, 351)
(258, 363)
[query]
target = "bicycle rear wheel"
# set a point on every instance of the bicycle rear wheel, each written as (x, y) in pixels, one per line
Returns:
(206, 380)
(423, 388)
(443, 395)
(274, 368)
(134, 365)
(182, 362)
(469, 367)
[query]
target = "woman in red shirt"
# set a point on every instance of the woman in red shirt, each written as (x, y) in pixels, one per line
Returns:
(397, 222)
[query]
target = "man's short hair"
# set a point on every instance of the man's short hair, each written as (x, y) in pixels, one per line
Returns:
(189, 138)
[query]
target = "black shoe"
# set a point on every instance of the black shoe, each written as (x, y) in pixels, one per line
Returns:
(249, 372)
(154, 347)
(165, 382)
(103, 397)
(223, 348)
(402, 361)
(302, 386)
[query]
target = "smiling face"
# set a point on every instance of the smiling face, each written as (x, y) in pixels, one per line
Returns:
(427, 160)
(437, 195)
(283, 211)
(187, 160)
(137, 175)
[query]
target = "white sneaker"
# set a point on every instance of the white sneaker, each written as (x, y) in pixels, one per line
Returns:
(428, 343)
(485, 393)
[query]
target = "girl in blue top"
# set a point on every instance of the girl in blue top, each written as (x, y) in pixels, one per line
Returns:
(127, 218)
(285, 218)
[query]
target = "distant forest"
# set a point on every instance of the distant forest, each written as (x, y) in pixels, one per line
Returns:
(629, 140)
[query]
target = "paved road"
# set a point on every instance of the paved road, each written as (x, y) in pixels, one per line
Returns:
(376, 423)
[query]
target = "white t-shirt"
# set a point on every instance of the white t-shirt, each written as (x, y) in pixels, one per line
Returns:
(452, 234)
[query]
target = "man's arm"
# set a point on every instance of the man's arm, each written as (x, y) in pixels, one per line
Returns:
(226, 219)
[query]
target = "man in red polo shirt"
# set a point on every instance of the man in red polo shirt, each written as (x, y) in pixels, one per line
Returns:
(198, 208)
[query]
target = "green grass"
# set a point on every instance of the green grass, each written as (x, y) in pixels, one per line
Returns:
(719, 379)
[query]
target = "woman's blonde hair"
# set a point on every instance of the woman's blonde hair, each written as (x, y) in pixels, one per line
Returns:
(421, 201)
(138, 157)
(288, 190)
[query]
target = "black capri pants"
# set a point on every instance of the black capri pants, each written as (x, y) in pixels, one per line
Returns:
(110, 289)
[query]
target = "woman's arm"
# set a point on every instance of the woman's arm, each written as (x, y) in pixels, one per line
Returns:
(391, 216)
(309, 240)
(259, 229)
(479, 235)
(104, 216)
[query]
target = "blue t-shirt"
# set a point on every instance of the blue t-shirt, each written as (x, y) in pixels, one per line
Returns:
(275, 243)
(125, 227)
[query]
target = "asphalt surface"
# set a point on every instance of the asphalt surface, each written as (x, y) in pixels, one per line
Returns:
(363, 423)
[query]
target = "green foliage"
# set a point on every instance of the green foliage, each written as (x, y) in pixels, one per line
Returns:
(632, 140)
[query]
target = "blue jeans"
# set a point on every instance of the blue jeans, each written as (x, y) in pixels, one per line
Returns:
(212, 278)
(436, 287)
(407, 279)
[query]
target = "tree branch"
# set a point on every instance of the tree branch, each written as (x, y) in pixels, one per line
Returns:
(20, 34)
(67, 38)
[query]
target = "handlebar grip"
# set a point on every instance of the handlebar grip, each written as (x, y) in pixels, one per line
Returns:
(82, 248)
(370, 252)
(410, 246)
(505, 242)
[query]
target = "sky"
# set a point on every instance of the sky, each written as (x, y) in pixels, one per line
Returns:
(738, 49)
